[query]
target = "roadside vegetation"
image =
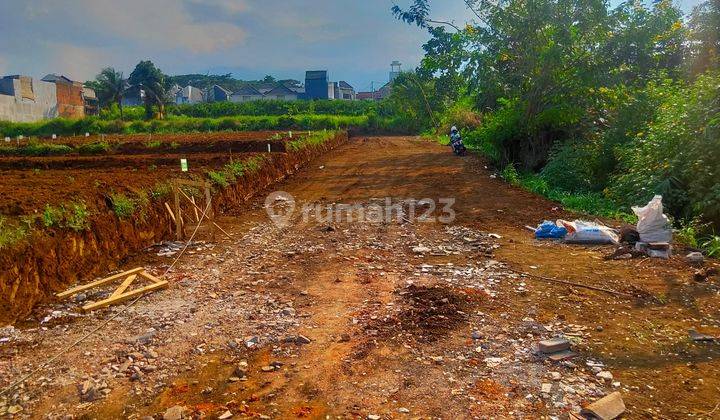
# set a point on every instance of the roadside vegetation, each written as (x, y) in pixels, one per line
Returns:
(598, 108)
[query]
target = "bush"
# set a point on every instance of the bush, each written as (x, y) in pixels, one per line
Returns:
(123, 206)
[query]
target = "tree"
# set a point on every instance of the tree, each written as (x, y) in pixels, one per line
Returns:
(704, 37)
(151, 80)
(110, 87)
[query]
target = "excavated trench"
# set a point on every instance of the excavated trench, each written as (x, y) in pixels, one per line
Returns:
(52, 259)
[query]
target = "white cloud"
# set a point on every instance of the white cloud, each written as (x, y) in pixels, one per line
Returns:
(162, 23)
(77, 63)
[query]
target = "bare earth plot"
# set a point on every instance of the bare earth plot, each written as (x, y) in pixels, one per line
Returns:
(382, 320)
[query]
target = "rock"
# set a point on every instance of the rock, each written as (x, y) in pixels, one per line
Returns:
(476, 335)
(252, 341)
(268, 368)
(344, 338)
(421, 249)
(174, 413)
(556, 376)
(608, 376)
(546, 388)
(562, 355)
(373, 417)
(554, 345)
(225, 415)
(301, 339)
(696, 336)
(14, 409)
(608, 408)
(695, 258)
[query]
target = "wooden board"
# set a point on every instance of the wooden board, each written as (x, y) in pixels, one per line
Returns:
(121, 293)
(96, 283)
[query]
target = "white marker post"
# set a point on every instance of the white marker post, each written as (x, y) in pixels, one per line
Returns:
(184, 165)
(269, 148)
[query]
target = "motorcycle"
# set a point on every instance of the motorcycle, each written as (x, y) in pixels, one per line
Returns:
(458, 147)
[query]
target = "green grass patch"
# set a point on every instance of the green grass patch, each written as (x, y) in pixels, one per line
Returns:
(95, 148)
(122, 205)
(74, 216)
(11, 234)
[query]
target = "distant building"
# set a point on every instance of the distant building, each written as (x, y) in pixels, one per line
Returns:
(282, 93)
(70, 102)
(246, 93)
(189, 95)
(134, 96)
(345, 91)
(316, 84)
(23, 99)
(92, 105)
(395, 70)
(217, 93)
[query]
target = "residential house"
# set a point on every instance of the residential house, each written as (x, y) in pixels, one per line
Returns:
(282, 93)
(70, 103)
(189, 95)
(246, 93)
(92, 105)
(23, 99)
(217, 93)
(345, 91)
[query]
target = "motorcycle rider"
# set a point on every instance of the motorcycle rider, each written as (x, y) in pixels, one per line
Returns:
(456, 141)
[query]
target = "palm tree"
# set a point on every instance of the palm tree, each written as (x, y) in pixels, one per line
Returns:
(111, 87)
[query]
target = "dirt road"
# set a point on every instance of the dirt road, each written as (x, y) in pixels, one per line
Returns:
(398, 319)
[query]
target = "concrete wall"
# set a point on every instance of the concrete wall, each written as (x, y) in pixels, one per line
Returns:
(16, 109)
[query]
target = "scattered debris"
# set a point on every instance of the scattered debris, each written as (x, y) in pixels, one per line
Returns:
(695, 258)
(696, 336)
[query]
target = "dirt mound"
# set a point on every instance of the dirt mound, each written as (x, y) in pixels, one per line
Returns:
(427, 314)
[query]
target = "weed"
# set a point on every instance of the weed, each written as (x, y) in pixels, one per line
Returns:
(711, 246)
(96, 148)
(219, 178)
(77, 218)
(161, 189)
(122, 205)
(52, 216)
(10, 234)
(154, 144)
(510, 174)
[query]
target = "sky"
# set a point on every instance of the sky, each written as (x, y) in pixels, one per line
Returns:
(355, 40)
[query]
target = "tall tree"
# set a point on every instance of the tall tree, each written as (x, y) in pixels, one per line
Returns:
(110, 87)
(152, 81)
(704, 37)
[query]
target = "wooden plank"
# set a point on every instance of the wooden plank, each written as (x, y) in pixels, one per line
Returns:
(125, 284)
(197, 216)
(151, 277)
(172, 216)
(96, 283)
(125, 296)
(178, 216)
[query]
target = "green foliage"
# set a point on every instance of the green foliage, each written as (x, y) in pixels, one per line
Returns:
(510, 174)
(273, 107)
(219, 178)
(75, 217)
(711, 246)
(34, 148)
(11, 234)
(312, 139)
(154, 144)
(679, 155)
(95, 148)
(122, 205)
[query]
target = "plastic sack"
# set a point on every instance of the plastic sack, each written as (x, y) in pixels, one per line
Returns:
(582, 232)
(549, 230)
(653, 225)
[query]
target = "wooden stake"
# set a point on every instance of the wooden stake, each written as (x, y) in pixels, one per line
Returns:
(96, 283)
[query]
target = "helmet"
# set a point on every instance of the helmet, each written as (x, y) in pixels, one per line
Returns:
(453, 129)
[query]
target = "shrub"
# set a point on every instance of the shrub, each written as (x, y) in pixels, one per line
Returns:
(11, 234)
(218, 178)
(123, 206)
(95, 148)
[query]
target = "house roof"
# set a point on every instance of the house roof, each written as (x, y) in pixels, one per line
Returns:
(216, 87)
(281, 90)
(54, 78)
(247, 90)
(191, 92)
(346, 85)
(315, 74)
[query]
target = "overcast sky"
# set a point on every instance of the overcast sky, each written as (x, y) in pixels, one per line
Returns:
(354, 39)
